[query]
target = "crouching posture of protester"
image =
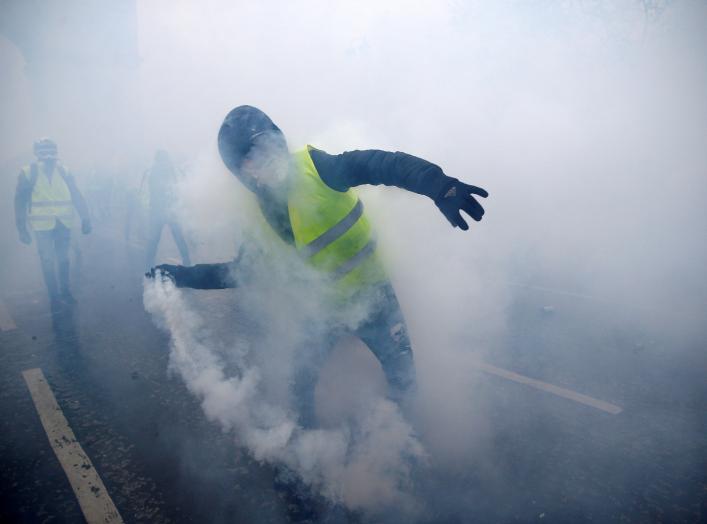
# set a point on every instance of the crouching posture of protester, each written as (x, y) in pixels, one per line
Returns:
(306, 197)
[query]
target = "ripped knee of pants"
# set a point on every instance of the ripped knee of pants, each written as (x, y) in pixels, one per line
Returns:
(397, 332)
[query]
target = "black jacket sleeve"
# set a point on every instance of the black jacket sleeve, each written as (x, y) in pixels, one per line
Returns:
(203, 276)
(374, 167)
(23, 195)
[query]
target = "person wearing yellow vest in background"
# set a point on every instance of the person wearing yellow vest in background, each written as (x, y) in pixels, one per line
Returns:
(46, 197)
(307, 198)
(159, 184)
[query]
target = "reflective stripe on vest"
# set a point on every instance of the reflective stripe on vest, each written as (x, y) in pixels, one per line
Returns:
(355, 261)
(338, 230)
(52, 203)
(51, 200)
(330, 228)
(35, 218)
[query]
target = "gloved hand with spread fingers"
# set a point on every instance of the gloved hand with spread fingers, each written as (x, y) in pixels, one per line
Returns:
(164, 271)
(458, 197)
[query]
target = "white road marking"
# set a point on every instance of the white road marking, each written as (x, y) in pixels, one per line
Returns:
(93, 498)
(550, 388)
(6, 322)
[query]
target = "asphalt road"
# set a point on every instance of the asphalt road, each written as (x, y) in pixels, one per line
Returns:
(553, 460)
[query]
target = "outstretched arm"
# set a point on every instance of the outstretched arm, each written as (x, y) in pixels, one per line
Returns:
(374, 167)
(23, 194)
(200, 276)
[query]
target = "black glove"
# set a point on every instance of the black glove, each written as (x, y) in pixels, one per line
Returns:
(25, 238)
(166, 271)
(456, 198)
(85, 227)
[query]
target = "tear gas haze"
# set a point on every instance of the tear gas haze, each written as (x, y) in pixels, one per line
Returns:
(586, 123)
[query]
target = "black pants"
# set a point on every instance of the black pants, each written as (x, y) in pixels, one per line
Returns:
(157, 223)
(53, 247)
(386, 335)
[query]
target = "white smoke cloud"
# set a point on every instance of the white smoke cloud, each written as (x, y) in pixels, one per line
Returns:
(584, 120)
(364, 463)
(561, 112)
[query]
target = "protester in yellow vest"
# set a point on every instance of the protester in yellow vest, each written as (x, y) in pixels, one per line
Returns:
(46, 197)
(307, 198)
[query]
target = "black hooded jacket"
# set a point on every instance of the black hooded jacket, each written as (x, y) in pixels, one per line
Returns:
(340, 172)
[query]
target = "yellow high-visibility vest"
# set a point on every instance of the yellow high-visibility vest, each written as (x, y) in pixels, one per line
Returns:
(331, 230)
(51, 200)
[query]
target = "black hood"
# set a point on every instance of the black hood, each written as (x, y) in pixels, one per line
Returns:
(239, 128)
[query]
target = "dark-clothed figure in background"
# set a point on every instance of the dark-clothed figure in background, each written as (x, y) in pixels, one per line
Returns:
(307, 199)
(160, 182)
(46, 197)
